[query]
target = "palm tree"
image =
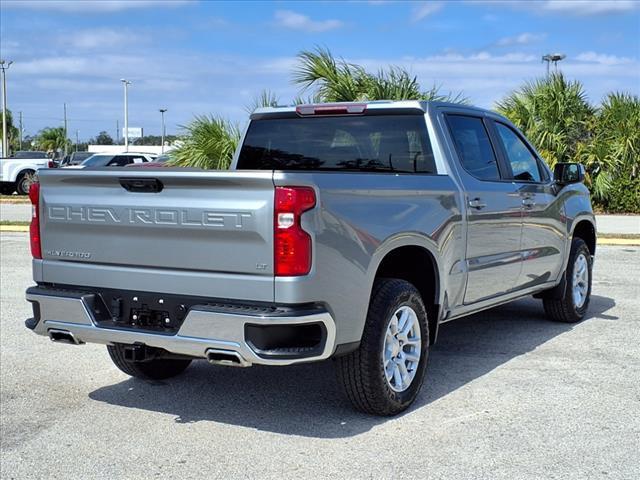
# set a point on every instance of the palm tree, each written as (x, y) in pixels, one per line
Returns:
(209, 143)
(13, 134)
(618, 121)
(266, 98)
(336, 80)
(553, 113)
(614, 151)
(52, 139)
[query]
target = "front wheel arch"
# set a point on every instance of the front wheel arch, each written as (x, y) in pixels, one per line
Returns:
(585, 230)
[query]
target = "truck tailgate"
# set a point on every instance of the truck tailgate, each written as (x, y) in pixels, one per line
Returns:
(200, 221)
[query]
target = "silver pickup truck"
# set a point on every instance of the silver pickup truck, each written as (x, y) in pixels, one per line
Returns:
(346, 231)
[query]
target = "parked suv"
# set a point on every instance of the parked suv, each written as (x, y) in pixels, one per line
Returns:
(75, 158)
(347, 231)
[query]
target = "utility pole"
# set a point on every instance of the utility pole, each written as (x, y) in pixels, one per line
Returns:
(4, 65)
(126, 84)
(20, 131)
(117, 132)
(162, 111)
(65, 129)
(77, 132)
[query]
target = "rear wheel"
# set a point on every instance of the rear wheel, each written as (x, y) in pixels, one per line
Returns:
(155, 369)
(573, 305)
(24, 181)
(384, 375)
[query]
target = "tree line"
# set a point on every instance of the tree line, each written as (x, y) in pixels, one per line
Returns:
(553, 112)
(54, 139)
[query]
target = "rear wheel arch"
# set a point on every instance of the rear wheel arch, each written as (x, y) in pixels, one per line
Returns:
(418, 266)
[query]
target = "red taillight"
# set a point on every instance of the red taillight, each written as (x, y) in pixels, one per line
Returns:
(34, 228)
(292, 253)
(51, 164)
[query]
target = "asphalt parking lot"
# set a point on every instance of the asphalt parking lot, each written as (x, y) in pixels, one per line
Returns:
(508, 395)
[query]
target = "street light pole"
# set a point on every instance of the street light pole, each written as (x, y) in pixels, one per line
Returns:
(162, 110)
(21, 131)
(555, 58)
(65, 130)
(126, 84)
(4, 65)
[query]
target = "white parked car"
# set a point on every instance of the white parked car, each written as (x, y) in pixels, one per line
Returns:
(17, 173)
(114, 160)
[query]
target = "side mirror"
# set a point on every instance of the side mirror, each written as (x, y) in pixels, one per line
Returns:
(566, 173)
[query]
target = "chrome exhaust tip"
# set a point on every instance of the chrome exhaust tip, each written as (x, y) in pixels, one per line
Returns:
(63, 336)
(227, 358)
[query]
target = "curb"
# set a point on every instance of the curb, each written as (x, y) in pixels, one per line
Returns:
(14, 228)
(629, 242)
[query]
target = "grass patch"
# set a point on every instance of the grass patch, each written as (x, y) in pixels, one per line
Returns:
(14, 223)
(14, 199)
(628, 236)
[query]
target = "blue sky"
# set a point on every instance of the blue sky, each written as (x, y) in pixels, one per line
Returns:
(198, 57)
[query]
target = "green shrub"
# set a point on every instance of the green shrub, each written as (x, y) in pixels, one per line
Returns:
(624, 195)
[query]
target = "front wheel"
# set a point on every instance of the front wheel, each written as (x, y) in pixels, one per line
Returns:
(156, 369)
(384, 375)
(572, 307)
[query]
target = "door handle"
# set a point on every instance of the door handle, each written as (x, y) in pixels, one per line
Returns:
(477, 204)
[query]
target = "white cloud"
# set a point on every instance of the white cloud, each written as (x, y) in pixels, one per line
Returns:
(588, 7)
(72, 6)
(485, 77)
(297, 21)
(567, 7)
(99, 38)
(603, 59)
(522, 39)
(424, 9)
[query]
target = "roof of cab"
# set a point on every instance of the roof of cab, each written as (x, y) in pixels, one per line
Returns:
(425, 106)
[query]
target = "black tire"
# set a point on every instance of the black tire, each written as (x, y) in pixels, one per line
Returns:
(565, 309)
(24, 181)
(156, 369)
(361, 372)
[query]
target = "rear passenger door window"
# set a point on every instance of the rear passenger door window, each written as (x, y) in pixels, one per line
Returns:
(474, 147)
(524, 164)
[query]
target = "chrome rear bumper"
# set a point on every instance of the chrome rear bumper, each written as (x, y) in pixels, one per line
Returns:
(203, 330)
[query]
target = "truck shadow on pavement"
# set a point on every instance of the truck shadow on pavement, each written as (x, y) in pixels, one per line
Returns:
(306, 400)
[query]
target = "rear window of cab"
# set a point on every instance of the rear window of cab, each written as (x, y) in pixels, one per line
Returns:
(371, 143)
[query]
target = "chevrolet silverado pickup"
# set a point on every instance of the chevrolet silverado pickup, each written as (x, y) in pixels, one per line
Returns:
(346, 231)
